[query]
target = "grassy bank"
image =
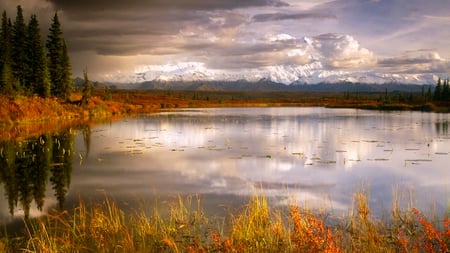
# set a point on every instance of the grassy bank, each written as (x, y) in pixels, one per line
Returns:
(258, 227)
(25, 110)
(22, 116)
(28, 110)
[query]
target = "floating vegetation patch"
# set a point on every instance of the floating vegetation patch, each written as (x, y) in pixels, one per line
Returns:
(327, 162)
(379, 159)
(216, 149)
(418, 160)
(300, 154)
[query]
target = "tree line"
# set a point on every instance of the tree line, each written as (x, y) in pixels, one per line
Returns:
(442, 90)
(30, 66)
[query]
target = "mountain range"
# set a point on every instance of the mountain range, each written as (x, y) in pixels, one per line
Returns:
(288, 75)
(310, 77)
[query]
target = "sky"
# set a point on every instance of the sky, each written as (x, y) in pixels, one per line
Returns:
(117, 37)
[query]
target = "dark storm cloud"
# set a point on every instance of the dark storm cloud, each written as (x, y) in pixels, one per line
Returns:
(126, 34)
(286, 16)
(149, 27)
(80, 6)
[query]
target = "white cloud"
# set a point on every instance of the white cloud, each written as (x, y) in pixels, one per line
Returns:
(343, 51)
(417, 61)
(279, 37)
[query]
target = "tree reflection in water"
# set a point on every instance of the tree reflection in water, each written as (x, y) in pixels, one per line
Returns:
(27, 166)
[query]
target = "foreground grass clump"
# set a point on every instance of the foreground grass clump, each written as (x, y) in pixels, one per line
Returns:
(184, 227)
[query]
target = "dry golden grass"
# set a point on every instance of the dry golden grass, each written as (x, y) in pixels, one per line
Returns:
(104, 227)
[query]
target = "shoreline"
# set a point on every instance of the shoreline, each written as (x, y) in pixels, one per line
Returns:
(28, 116)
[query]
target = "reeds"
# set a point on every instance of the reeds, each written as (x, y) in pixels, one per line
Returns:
(184, 227)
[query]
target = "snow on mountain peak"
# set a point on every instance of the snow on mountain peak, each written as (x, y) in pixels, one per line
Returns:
(311, 73)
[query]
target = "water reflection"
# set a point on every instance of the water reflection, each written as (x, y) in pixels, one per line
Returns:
(442, 127)
(295, 154)
(304, 153)
(28, 166)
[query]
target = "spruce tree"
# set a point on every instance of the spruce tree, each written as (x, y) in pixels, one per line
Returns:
(87, 89)
(37, 76)
(19, 64)
(429, 93)
(446, 91)
(438, 90)
(6, 77)
(3, 50)
(58, 62)
(3, 42)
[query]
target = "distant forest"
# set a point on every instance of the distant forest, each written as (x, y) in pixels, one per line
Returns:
(28, 66)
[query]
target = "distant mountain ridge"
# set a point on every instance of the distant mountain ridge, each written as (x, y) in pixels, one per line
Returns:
(287, 75)
(334, 83)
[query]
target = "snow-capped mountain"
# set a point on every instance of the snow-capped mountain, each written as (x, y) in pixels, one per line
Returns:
(305, 74)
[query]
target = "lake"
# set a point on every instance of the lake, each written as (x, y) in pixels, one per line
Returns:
(314, 156)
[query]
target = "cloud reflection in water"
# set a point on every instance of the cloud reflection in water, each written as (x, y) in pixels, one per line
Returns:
(312, 154)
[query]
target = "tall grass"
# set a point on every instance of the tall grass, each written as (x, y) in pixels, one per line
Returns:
(258, 227)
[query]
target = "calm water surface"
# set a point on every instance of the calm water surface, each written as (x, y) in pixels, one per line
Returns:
(315, 156)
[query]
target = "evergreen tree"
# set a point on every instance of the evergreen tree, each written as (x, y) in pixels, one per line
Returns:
(37, 76)
(58, 62)
(6, 77)
(19, 46)
(3, 43)
(87, 89)
(438, 90)
(446, 91)
(429, 93)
